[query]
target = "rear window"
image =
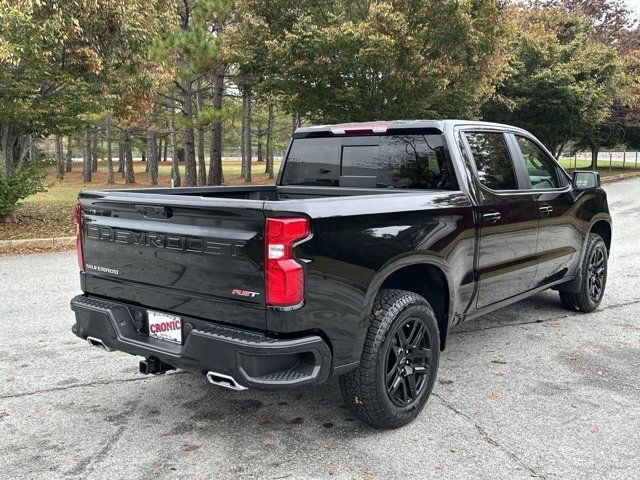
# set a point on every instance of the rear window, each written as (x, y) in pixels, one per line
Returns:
(398, 161)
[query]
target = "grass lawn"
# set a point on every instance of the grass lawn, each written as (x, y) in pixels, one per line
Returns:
(51, 213)
(568, 163)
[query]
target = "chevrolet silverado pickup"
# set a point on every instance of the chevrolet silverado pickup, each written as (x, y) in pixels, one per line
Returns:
(376, 239)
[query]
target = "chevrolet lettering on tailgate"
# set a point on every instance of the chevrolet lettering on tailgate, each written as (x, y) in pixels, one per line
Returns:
(162, 240)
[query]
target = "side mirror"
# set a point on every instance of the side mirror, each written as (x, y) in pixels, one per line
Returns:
(586, 180)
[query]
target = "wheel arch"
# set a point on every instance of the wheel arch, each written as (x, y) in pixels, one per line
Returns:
(600, 225)
(426, 277)
(603, 228)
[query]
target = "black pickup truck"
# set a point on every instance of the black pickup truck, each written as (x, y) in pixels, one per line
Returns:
(376, 239)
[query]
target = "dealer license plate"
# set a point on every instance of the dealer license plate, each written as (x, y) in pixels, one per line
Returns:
(165, 327)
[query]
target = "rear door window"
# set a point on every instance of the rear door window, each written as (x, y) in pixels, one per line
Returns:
(493, 160)
(398, 161)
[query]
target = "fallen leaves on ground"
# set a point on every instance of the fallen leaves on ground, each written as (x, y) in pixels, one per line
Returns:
(190, 447)
(297, 421)
(40, 221)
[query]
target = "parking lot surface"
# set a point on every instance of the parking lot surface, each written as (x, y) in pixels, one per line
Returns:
(528, 391)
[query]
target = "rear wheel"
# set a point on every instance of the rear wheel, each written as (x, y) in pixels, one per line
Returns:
(593, 280)
(399, 362)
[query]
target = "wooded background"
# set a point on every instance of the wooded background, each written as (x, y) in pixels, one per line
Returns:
(196, 80)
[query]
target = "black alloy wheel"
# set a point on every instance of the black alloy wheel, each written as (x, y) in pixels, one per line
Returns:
(595, 274)
(407, 362)
(592, 279)
(399, 361)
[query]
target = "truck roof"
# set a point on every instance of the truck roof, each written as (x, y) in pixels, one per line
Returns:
(383, 126)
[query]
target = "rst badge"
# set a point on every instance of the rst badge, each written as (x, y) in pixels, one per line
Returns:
(244, 293)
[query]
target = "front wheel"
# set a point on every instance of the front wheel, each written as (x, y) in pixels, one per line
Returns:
(399, 361)
(593, 279)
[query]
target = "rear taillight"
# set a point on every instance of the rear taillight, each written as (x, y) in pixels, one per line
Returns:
(284, 275)
(79, 236)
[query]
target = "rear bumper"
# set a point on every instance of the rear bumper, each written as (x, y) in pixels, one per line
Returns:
(252, 359)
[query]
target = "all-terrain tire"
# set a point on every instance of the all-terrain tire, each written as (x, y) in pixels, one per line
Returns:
(584, 299)
(365, 389)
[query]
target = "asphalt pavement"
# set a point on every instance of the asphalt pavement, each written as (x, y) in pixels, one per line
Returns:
(528, 391)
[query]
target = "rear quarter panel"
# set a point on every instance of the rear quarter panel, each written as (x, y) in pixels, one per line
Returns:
(357, 242)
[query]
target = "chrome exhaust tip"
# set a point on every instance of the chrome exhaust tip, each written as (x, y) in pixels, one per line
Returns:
(96, 342)
(224, 381)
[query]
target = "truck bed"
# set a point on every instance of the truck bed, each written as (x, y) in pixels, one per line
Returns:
(190, 250)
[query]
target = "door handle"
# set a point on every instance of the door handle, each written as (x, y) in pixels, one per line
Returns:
(492, 217)
(546, 209)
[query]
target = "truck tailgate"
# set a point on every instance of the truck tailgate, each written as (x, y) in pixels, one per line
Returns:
(186, 250)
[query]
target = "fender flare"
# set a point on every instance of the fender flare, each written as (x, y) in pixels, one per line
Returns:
(573, 286)
(401, 262)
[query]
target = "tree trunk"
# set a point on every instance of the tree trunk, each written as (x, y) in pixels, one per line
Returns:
(215, 154)
(202, 166)
(152, 151)
(14, 148)
(121, 157)
(69, 165)
(246, 122)
(294, 123)
(175, 165)
(259, 153)
(128, 154)
(243, 163)
(269, 167)
(59, 157)
(94, 151)
(595, 149)
(165, 148)
(558, 151)
(7, 141)
(107, 132)
(190, 173)
(86, 156)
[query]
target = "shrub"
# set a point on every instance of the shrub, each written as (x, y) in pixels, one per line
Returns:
(28, 180)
